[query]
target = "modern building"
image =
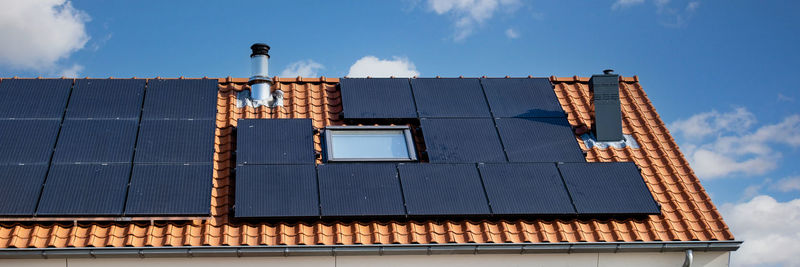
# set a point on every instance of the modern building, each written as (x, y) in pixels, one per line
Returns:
(259, 171)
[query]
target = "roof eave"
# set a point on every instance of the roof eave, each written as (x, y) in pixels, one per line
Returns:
(367, 250)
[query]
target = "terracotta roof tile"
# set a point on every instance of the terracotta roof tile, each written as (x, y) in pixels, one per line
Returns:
(687, 211)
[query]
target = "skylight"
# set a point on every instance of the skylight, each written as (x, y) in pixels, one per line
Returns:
(369, 143)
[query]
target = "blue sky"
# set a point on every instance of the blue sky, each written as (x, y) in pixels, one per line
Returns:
(720, 73)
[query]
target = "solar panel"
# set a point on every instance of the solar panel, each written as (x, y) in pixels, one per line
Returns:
(539, 140)
(180, 99)
(106, 99)
(27, 141)
(21, 187)
(170, 190)
(85, 189)
(462, 140)
(96, 141)
(360, 189)
(276, 191)
(522, 97)
(436, 97)
(531, 188)
(274, 141)
(175, 141)
(443, 189)
(377, 98)
(608, 188)
(33, 98)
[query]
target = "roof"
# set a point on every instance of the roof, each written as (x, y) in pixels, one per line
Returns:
(687, 211)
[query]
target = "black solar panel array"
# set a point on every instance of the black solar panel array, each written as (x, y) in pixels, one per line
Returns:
(360, 189)
(175, 141)
(85, 189)
(493, 147)
(462, 140)
(170, 189)
(96, 141)
(608, 188)
(96, 156)
(106, 99)
(275, 141)
(522, 97)
(530, 188)
(34, 98)
(539, 140)
(275, 173)
(21, 187)
(377, 98)
(468, 120)
(181, 99)
(449, 98)
(27, 141)
(276, 191)
(443, 189)
(77, 158)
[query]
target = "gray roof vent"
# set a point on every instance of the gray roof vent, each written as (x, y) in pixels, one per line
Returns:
(607, 114)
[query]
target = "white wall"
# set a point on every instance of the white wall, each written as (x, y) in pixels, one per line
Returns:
(711, 259)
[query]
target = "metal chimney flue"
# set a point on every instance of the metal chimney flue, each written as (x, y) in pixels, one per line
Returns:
(607, 113)
(259, 62)
(260, 83)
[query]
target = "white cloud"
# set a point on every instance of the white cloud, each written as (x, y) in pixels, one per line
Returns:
(692, 6)
(721, 144)
(787, 184)
(303, 68)
(785, 98)
(70, 72)
(625, 3)
(512, 34)
(668, 14)
(374, 67)
(469, 14)
(706, 123)
(675, 17)
(769, 229)
(709, 164)
(37, 34)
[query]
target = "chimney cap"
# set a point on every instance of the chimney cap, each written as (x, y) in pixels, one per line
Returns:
(259, 49)
(605, 71)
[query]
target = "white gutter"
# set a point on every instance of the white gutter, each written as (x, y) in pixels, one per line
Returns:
(373, 250)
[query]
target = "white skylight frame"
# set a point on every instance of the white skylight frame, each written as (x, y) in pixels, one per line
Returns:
(331, 131)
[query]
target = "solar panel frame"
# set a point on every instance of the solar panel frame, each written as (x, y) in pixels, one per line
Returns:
(360, 189)
(277, 191)
(84, 190)
(21, 187)
(27, 141)
(175, 141)
(443, 189)
(96, 141)
(539, 140)
(377, 98)
(449, 98)
(610, 188)
(469, 140)
(34, 98)
(275, 141)
(106, 99)
(522, 97)
(180, 99)
(166, 190)
(527, 188)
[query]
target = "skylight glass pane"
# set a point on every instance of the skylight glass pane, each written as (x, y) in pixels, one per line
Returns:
(369, 144)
